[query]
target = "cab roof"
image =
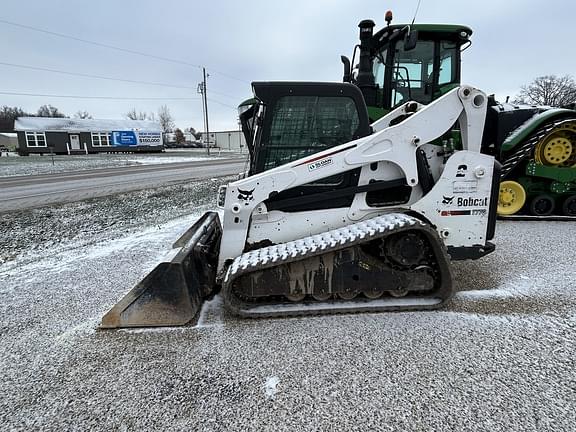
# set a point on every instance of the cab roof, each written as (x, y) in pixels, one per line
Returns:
(445, 29)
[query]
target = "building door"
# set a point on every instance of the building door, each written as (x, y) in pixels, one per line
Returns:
(74, 142)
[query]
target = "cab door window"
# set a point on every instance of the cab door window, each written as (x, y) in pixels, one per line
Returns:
(303, 125)
(412, 71)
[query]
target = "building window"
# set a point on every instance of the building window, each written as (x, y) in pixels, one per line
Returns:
(35, 139)
(100, 139)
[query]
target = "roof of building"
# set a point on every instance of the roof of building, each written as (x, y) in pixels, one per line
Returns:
(41, 124)
(222, 131)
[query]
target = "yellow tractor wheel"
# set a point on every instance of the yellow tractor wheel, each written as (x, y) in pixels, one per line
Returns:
(558, 147)
(511, 199)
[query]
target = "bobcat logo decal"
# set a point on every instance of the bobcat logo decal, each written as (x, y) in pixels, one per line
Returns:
(447, 200)
(245, 195)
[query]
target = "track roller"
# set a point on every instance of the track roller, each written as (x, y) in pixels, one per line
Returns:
(296, 297)
(512, 197)
(373, 294)
(569, 206)
(542, 205)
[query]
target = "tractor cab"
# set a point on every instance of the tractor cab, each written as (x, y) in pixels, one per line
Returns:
(401, 63)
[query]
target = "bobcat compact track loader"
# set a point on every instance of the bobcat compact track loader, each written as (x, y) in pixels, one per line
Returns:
(335, 214)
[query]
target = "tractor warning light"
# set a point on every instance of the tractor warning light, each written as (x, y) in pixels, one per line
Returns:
(388, 17)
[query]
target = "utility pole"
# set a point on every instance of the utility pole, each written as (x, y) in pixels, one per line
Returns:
(202, 90)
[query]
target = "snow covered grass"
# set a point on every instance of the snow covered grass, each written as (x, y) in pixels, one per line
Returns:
(36, 164)
(93, 248)
(27, 235)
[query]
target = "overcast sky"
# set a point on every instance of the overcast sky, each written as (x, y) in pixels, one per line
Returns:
(514, 41)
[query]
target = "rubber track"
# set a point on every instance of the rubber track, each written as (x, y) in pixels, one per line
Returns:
(319, 244)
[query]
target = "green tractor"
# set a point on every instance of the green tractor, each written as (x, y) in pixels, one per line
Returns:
(420, 62)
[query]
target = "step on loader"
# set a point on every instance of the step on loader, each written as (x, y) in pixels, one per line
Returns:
(335, 215)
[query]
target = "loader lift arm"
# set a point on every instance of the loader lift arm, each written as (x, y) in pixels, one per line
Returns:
(396, 144)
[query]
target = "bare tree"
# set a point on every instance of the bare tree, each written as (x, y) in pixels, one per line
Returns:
(49, 111)
(197, 135)
(82, 114)
(11, 113)
(165, 119)
(548, 90)
(136, 115)
(132, 114)
(179, 135)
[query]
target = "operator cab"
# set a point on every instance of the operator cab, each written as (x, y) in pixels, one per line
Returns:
(286, 121)
(401, 63)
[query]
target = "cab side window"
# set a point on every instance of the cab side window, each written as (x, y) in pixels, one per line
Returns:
(304, 125)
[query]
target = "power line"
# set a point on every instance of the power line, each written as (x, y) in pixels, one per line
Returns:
(223, 104)
(225, 95)
(113, 47)
(103, 45)
(93, 76)
(113, 97)
(95, 97)
(214, 71)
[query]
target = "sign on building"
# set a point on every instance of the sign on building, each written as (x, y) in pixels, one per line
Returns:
(150, 138)
(124, 138)
(131, 138)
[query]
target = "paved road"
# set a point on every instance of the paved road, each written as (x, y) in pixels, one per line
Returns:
(18, 193)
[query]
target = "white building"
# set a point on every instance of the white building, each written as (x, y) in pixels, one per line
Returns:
(227, 140)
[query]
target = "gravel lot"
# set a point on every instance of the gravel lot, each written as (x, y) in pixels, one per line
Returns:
(500, 357)
(78, 225)
(36, 164)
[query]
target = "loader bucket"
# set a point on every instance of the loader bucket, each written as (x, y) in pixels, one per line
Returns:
(173, 293)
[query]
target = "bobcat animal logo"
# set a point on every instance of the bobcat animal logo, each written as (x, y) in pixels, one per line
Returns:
(245, 195)
(447, 200)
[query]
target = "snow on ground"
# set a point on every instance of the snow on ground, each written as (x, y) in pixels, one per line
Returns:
(28, 234)
(270, 387)
(517, 287)
(65, 259)
(499, 357)
(36, 164)
(162, 160)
